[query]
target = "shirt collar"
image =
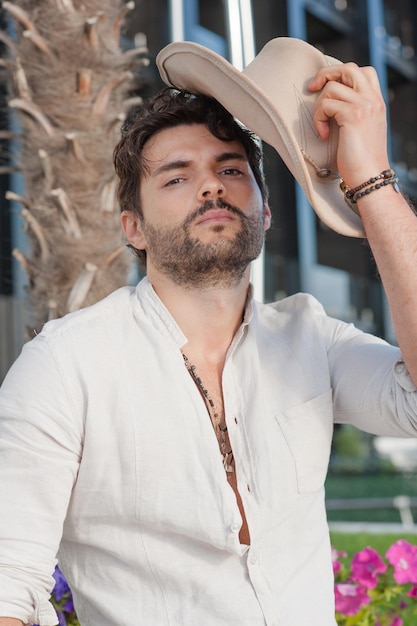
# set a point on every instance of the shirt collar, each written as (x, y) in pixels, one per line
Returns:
(154, 309)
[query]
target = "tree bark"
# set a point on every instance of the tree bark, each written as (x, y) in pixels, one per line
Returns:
(70, 85)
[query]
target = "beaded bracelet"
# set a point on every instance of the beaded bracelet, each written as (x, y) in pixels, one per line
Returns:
(349, 193)
(387, 177)
(387, 181)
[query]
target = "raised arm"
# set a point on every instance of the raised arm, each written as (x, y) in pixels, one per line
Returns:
(351, 95)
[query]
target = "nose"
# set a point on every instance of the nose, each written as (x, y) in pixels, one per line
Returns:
(211, 187)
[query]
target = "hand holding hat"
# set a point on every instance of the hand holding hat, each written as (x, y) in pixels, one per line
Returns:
(351, 95)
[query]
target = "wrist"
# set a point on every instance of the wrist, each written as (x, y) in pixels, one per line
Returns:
(386, 178)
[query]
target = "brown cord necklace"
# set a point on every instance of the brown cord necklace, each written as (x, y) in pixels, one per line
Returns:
(217, 420)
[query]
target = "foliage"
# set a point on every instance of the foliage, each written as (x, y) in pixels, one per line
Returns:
(352, 542)
(62, 600)
(372, 591)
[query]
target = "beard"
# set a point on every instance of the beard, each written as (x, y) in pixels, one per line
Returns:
(192, 263)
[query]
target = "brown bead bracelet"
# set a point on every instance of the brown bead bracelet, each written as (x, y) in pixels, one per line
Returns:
(387, 177)
(349, 193)
(387, 181)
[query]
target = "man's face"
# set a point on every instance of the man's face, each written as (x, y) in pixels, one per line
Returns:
(203, 214)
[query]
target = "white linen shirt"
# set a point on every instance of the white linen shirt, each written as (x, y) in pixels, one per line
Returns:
(109, 457)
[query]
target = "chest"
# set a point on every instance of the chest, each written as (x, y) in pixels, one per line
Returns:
(151, 455)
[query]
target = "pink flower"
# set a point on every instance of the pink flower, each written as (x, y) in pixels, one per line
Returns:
(403, 557)
(349, 598)
(366, 565)
(336, 563)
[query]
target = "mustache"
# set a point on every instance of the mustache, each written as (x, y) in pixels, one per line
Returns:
(208, 205)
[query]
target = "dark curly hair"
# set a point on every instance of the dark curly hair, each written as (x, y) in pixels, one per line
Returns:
(167, 109)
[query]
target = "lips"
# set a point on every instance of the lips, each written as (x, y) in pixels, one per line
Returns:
(215, 215)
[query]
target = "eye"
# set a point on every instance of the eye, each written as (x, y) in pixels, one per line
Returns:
(174, 181)
(232, 171)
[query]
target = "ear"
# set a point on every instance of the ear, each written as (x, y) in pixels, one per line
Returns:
(267, 216)
(131, 226)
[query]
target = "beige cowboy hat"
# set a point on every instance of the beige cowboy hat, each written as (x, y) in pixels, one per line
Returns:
(270, 96)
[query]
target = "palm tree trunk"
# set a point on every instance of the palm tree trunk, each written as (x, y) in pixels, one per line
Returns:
(70, 86)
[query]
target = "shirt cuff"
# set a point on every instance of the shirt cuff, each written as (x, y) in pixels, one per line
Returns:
(402, 376)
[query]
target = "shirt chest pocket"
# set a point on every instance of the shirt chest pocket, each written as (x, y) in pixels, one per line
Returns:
(308, 429)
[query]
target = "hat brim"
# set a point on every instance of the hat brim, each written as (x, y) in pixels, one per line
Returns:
(271, 98)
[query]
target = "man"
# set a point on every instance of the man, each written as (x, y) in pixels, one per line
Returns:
(172, 441)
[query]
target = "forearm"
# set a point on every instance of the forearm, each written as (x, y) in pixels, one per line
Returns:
(10, 621)
(391, 227)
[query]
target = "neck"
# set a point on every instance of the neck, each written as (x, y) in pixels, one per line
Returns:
(209, 317)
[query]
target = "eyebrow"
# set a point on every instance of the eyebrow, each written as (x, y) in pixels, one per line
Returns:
(180, 164)
(229, 156)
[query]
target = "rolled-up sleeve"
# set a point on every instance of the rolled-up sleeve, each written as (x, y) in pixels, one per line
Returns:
(39, 457)
(372, 388)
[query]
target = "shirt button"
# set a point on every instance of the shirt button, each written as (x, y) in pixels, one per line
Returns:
(235, 528)
(253, 559)
(399, 367)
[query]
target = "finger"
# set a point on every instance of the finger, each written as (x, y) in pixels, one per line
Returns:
(346, 106)
(349, 74)
(334, 101)
(330, 109)
(339, 91)
(372, 76)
